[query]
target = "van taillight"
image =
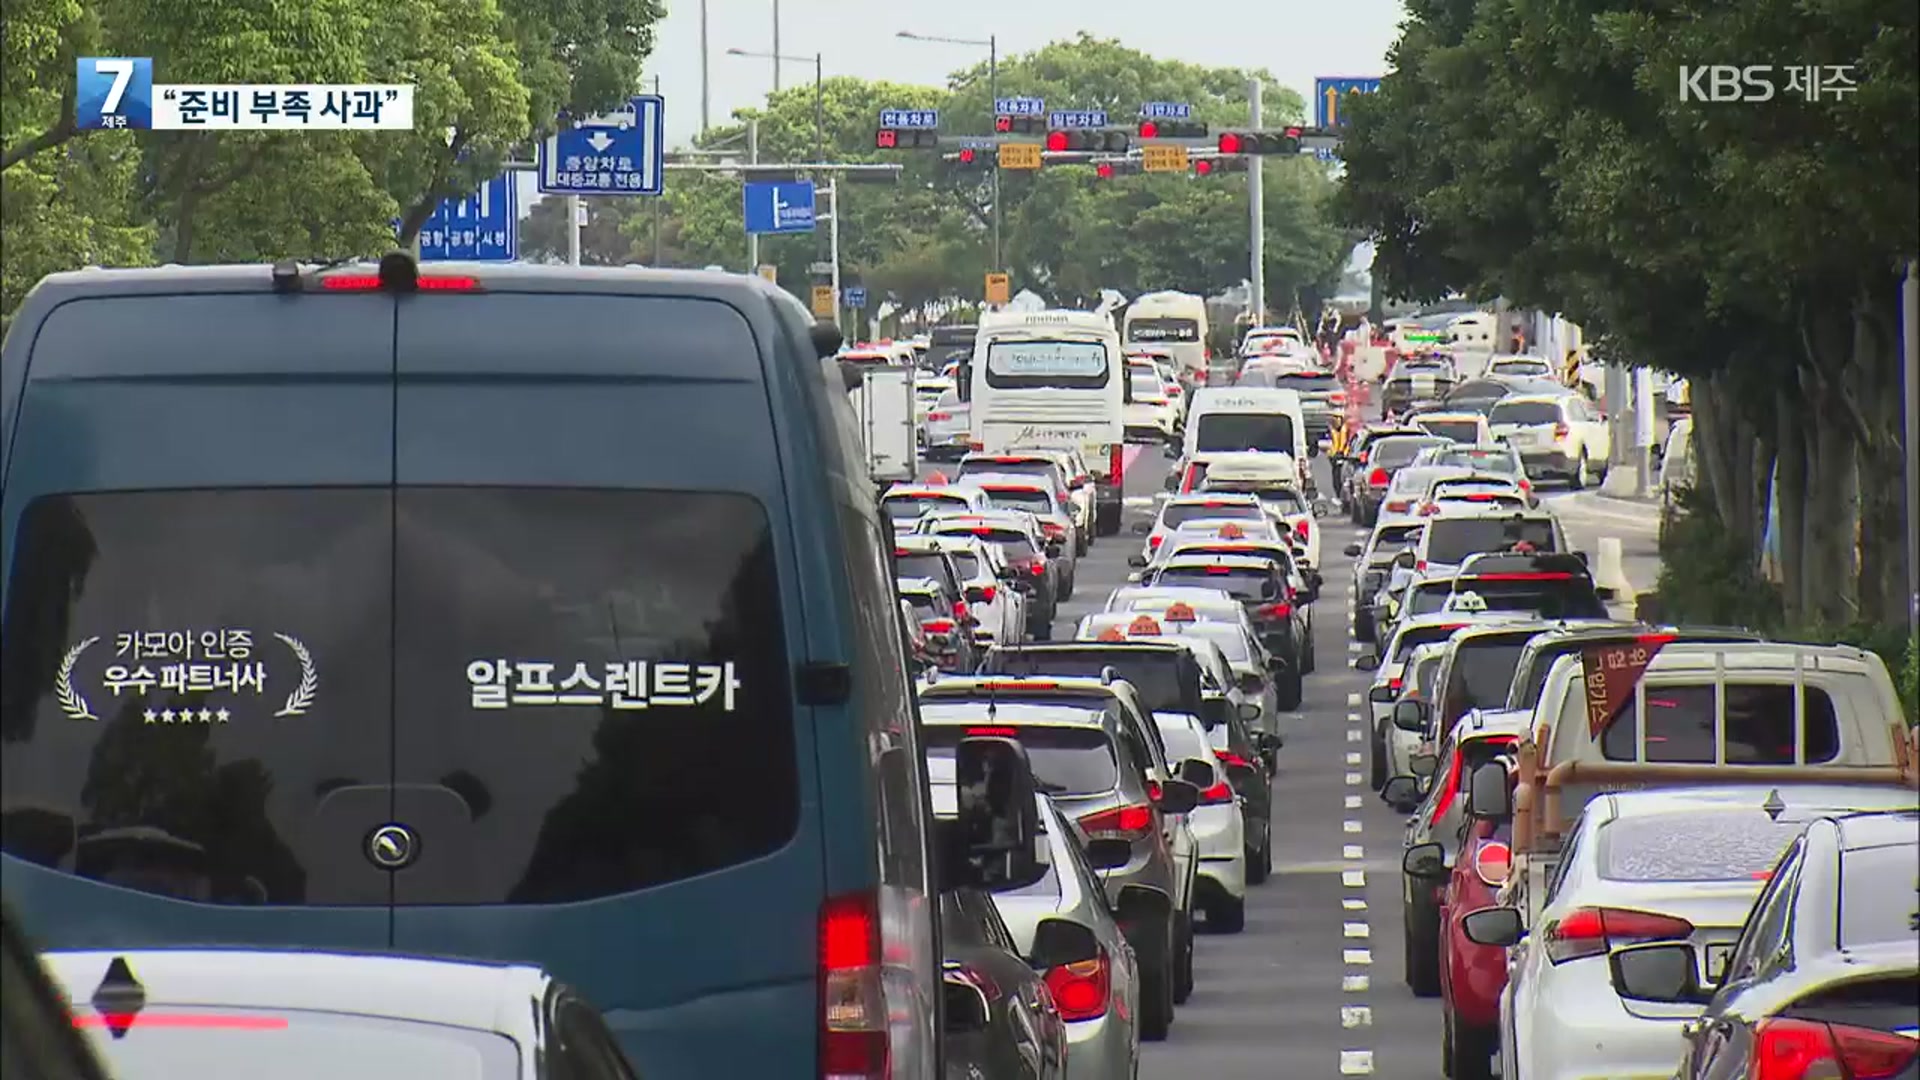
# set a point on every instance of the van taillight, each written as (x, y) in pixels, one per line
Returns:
(1080, 991)
(1303, 528)
(1560, 431)
(1591, 931)
(1122, 822)
(1116, 463)
(853, 1008)
(1154, 541)
(939, 416)
(988, 592)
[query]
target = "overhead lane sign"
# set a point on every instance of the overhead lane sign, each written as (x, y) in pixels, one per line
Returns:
(1077, 118)
(910, 119)
(1019, 106)
(1330, 96)
(1165, 110)
(622, 153)
(483, 227)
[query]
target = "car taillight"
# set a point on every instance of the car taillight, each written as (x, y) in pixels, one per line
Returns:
(1560, 431)
(960, 610)
(1038, 567)
(1054, 531)
(1398, 505)
(1122, 822)
(1338, 397)
(1787, 1048)
(1080, 990)
(1591, 931)
(1393, 685)
(1420, 564)
(1275, 611)
(1231, 759)
(1219, 793)
(938, 626)
(1377, 478)
(853, 1006)
(939, 416)
(988, 592)
(1154, 541)
(1493, 862)
(1303, 528)
(1429, 509)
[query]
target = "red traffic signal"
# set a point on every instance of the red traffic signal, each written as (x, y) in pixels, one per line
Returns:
(1202, 167)
(1103, 170)
(1172, 129)
(1003, 124)
(905, 139)
(1285, 141)
(1149, 129)
(966, 155)
(1056, 141)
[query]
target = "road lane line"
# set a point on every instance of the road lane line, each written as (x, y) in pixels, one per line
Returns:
(1350, 826)
(1354, 984)
(1352, 851)
(1353, 717)
(1356, 957)
(1355, 930)
(1353, 734)
(1353, 779)
(1353, 699)
(1353, 903)
(1353, 802)
(1356, 1063)
(1353, 879)
(1353, 758)
(1356, 1016)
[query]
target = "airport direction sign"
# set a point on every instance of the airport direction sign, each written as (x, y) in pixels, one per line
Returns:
(1157, 158)
(621, 153)
(1330, 92)
(483, 227)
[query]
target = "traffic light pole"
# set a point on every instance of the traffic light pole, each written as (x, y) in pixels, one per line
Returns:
(1257, 218)
(993, 96)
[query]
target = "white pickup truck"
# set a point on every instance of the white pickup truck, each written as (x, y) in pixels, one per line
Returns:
(1629, 716)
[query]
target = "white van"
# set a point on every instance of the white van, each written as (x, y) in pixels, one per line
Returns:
(1259, 420)
(1175, 322)
(1053, 380)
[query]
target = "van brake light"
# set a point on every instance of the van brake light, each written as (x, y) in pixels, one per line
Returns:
(425, 282)
(1021, 684)
(853, 1006)
(1377, 478)
(993, 733)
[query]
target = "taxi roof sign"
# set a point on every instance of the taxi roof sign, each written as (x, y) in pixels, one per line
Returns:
(1111, 633)
(936, 478)
(1144, 625)
(1180, 612)
(1232, 532)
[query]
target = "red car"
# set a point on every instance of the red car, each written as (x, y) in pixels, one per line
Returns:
(1472, 976)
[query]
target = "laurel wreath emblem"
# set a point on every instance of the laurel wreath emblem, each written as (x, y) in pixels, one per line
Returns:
(71, 702)
(302, 696)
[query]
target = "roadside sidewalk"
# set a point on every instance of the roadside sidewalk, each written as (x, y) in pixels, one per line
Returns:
(1619, 486)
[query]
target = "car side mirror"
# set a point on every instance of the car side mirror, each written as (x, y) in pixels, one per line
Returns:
(1138, 562)
(1269, 590)
(1141, 528)
(1425, 861)
(967, 1011)
(1381, 694)
(1488, 796)
(826, 338)
(1423, 765)
(992, 843)
(1582, 556)
(1501, 927)
(1109, 853)
(1402, 793)
(1172, 453)
(1059, 942)
(1410, 715)
(1605, 592)
(1657, 971)
(1405, 560)
(1251, 682)
(1200, 774)
(1177, 797)
(1249, 711)
(1353, 551)
(1367, 661)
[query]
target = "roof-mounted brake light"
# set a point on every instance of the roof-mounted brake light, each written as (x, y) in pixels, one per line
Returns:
(398, 273)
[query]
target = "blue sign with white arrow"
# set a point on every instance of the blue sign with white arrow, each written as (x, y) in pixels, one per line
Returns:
(785, 207)
(622, 153)
(1330, 97)
(1077, 118)
(483, 227)
(856, 296)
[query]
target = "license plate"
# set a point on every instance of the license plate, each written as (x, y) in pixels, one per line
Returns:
(1717, 957)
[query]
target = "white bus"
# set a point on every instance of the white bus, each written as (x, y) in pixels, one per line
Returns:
(1053, 379)
(1173, 322)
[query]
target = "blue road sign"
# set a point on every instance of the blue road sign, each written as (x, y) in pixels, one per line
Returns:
(1325, 153)
(855, 296)
(1019, 106)
(779, 207)
(1166, 110)
(1331, 90)
(483, 227)
(1077, 118)
(910, 119)
(623, 153)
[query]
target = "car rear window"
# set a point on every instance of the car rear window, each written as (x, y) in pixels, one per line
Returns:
(1524, 412)
(1244, 583)
(916, 564)
(244, 1043)
(1759, 725)
(926, 605)
(1482, 671)
(910, 507)
(1716, 846)
(1876, 903)
(1573, 598)
(1458, 430)
(1391, 453)
(1183, 742)
(249, 676)
(1178, 514)
(1428, 600)
(1415, 636)
(966, 564)
(1066, 760)
(1015, 545)
(1167, 680)
(1008, 468)
(1493, 461)
(1306, 381)
(1229, 431)
(1451, 540)
(1028, 499)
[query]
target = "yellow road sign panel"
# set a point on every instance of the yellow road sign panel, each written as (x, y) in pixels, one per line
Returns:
(1163, 158)
(769, 271)
(999, 289)
(1019, 155)
(823, 301)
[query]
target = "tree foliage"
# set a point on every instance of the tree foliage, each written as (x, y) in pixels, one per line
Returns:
(1543, 151)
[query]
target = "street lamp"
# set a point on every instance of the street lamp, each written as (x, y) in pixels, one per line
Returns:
(992, 45)
(819, 124)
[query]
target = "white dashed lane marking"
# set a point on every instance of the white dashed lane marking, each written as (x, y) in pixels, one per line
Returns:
(1353, 699)
(1356, 957)
(1353, 735)
(1355, 930)
(1352, 851)
(1353, 779)
(1356, 1016)
(1350, 826)
(1353, 903)
(1353, 879)
(1353, 758)
(1353, 802)
(1356, 1063)
(1354, 984)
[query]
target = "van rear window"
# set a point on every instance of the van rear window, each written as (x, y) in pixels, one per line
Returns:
(215, 695)
(1228, 431)
(1178, 514)
(1451, 540)
(1759, 725)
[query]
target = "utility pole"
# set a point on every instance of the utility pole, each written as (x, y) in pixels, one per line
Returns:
(658, 198)
(833, 248)
(1256, 214)
(1642, 432)
(993, 96)
(706, 96)
(575, 210)
(753, 158)
(776, 45)
(1910, 345)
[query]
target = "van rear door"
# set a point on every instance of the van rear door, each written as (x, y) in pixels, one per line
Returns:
(197, 682)
(596, 737)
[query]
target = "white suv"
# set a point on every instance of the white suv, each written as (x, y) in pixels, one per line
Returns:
(1557, 435)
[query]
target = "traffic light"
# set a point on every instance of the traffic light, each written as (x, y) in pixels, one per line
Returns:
(1172, 129)
(969, 159)
(1019, 125)
(1095, 140)
(1215, 166)
(1106, 170)
(906, 139)
(1283, 141)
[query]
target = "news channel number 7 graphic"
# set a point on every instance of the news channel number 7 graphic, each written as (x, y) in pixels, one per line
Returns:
(115, 92)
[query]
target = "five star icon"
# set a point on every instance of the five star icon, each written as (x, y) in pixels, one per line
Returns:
(187, 716)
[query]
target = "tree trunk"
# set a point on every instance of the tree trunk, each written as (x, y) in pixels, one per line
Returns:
(1874, 382)
(1717, 450)
(1792, 523)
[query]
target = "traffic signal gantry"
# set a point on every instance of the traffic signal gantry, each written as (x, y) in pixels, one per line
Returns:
(1026, 142)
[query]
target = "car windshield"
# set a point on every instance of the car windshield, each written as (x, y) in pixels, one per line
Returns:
(1708, 846)
(1451, 540)
(244, 1043)
(1178, 514)
(1066, 760)
(1228, 431)
(1524, 412)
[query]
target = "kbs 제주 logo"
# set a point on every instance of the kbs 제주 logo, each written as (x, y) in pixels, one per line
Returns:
(189, 676)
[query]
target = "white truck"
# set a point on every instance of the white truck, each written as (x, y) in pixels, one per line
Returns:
(1648, 714)
(884, 408)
